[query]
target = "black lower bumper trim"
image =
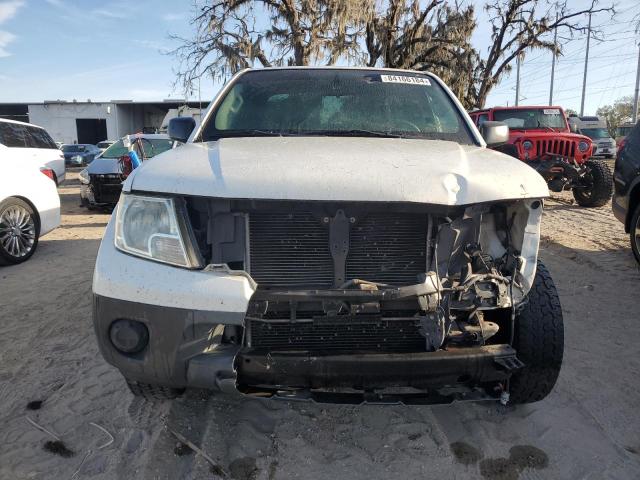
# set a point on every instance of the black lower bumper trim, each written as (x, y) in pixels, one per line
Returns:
(422, 370)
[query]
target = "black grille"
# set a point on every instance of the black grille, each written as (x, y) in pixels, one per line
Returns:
(292, 249)
(289, 249)
(106, 188)
(341, 334)
(388, 248)
(565, 148)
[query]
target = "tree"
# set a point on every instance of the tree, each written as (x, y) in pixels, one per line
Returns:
(620, 112)
(235, 34)
(432, 36)
(519, 26)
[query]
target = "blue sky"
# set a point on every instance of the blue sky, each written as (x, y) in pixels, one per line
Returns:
(103, 50)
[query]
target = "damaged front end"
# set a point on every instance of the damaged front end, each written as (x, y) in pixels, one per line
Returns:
(368, 301)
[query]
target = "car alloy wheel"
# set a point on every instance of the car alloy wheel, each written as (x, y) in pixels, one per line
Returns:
(17, 231)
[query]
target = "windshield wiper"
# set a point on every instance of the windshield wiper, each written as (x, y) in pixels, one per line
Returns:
(546, 126)
(251, 132)
(353, 132)
(301, 133)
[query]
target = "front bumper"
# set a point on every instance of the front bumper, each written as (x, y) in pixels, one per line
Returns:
(185, 350)
(87, 197)
(181, 352)
(604, 152)
(102, 190)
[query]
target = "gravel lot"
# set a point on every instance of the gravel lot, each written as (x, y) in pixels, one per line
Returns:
(589, 428)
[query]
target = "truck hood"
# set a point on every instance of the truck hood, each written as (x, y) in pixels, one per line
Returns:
(518, 135)
(339, 169)
(102, 165)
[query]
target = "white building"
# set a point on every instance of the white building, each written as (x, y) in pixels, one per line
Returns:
(92, 122)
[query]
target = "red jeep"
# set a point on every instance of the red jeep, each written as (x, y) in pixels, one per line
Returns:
(541, 136)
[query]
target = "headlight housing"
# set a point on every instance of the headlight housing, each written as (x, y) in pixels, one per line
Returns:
(77, 158)
(583, 146)
(527, 144)
(83, 176)
(156, 228)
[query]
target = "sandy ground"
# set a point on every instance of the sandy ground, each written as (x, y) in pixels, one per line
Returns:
(589, 428)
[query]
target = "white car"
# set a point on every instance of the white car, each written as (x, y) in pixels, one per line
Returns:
(29, 208)
(30, 144)
(331, 234)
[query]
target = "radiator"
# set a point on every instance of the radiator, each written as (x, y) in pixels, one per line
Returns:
(292, 249)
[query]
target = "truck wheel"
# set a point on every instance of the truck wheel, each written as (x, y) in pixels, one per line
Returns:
(149, 391)
(538, 340)
(634, 233)
(598, 185)
(19, 231)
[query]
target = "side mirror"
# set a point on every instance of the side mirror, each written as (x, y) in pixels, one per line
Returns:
(494, 133)
(180, 128)
(573, 128)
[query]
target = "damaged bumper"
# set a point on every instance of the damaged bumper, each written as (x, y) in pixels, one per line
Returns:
(186, 349)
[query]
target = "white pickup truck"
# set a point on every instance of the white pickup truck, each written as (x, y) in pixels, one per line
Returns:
(331, 234)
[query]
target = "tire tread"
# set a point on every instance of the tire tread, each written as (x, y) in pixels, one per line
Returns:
(150, 391)
(539, 341)
(602, 187)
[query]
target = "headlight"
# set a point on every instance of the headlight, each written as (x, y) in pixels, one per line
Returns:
(77, 158)
(156, 228)
(83, 176)
(583, 146)
(527, 145)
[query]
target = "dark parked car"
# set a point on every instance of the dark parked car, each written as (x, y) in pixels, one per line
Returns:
(626, 195)
(79, 154)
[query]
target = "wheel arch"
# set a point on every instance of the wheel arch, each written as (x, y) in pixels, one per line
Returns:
(31, 204)
(634, 200)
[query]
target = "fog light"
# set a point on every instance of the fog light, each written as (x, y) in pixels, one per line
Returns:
(129, 336)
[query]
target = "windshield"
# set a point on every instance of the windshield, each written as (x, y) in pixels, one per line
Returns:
(116, 150)
(533, 118)
(337, 103)
(73, 148)
(595, 132)
(150, 148)
(143, 146)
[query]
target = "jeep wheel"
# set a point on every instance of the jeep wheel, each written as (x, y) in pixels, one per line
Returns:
(19, 230)
(149, 391)
(634, 233)
(539, 341)
(598, 185)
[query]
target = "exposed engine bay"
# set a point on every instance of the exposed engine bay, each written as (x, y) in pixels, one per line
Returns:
(344, 279)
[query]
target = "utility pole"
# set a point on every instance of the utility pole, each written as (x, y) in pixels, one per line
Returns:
(635, 96)
(586, 63)
(553, 61)
(518, 80)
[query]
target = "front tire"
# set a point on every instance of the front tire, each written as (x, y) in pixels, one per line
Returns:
(539, 341)
(150, 391)
(634, 233)
(19, 231)
(599, 185)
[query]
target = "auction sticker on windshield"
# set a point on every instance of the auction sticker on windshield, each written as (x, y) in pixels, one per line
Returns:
(404, 79)
(551, 111)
